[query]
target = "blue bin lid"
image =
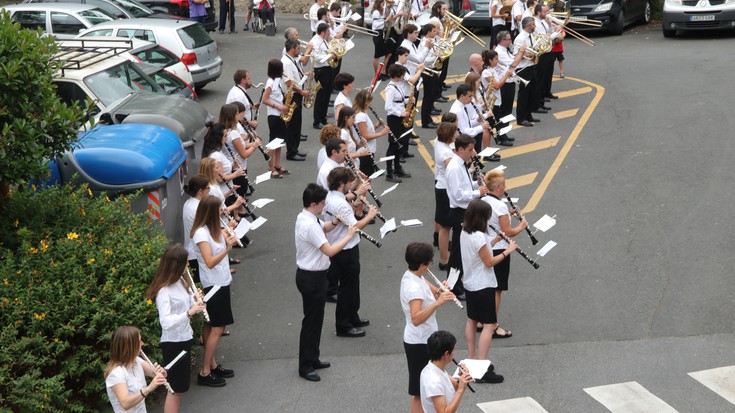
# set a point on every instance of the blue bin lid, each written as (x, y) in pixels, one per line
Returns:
(129, 154)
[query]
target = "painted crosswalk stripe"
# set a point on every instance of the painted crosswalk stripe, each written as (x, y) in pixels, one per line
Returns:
(519, 405)
(628, 397)
(531, 147)
(574, 92)
(565, 114)
(519, 181)
(720, 380)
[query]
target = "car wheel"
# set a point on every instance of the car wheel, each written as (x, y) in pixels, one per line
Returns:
(669, 33)
(617, 29)
(647, 13)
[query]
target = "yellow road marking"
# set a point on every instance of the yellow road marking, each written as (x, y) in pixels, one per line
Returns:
(425, 153)
(575, 92)
(531, 147)
(544, 185)
(566, 113)
(519, 181)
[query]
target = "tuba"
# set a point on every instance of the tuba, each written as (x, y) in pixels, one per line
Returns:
(338, 48)
(411, 108)
(311, 87)
(443, 49)
(289, 104)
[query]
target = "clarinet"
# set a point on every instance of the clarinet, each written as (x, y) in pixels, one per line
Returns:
(461, 370)
(485, 120)
(443, 288)
(239, 166)
(359, 231)
(391, 137)
(365, 201)
(168, 386)
(245, 205)
(352, 166)
(518, 215)
(253, 136)
(257, 112)
(230, 218)
(518, 249)
(365, 144)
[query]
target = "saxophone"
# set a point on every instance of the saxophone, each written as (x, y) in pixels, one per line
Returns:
(411, 108)
(311, 87)
(289, 104)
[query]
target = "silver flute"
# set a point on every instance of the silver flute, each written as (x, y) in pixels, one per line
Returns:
(443, 288)
(147, 360)
(197, 293)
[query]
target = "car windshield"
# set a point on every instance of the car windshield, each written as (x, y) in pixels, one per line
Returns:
(96, 16)
(119, 81)
(157, 56)
(135, 8)
(194, 36)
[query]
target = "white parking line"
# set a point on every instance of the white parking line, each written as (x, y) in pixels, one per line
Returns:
(720, 380)
(519, 405)
(628, 397)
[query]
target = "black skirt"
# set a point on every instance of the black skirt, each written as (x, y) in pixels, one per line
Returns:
(219, 307)
(417, 356)
(502, 271)
(441, 214)
(277, 127)
(179, 374)
(481, 305)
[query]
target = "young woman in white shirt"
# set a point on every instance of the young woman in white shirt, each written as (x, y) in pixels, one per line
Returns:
(443, 153)
(381, 49)
(441, 393)
(344, 83)
(213, 245)
(273, 97)
(213, 148)
(419, 300)
(172, 293)
(197, 189)
(355, 148)
(212, 169)
(234, 147)
(125, 372)
(365, 126)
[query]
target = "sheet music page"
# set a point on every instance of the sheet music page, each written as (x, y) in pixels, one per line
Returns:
(477, 368)
(549, 245)
(242, 228)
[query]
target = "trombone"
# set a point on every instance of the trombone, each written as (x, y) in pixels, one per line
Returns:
(430, 72)
(457, 22)
(564, 20)
(356, 28)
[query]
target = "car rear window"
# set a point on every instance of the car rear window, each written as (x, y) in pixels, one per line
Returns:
(97, 16)
(194, 36)
(157, 56)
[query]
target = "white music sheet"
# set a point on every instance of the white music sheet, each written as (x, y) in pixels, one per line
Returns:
(549, 245)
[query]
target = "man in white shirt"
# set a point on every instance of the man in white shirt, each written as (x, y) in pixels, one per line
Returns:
(417, 6)
(293, 73)
(432, 84)
(312, 262)
(526, 70)
(318, 48)
(439, 391)
(345, 265)
(545, 66)
(461, 189)
(239, 93)
(336, 151)
(313, 19)
(396, 97)
(507, 59)
(516, 12)
(469, 120)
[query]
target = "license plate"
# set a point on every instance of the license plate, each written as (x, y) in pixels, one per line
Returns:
(702, 18)
(578, 18)
(213, 70)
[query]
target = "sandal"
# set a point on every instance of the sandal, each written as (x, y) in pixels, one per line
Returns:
(225, 333)
(275, 174)
(234, 261)
(283, 171)
(507, 334)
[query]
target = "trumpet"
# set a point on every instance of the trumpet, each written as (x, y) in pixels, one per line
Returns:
(515, 78)
(430, 72)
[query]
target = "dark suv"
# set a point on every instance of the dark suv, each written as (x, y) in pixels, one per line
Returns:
(615, 15)
(181, 8)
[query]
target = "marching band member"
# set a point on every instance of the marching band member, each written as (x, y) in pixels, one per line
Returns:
(381, 48)
(346, 264)
(329, 131)
(461, 189)
(432, 84)
(469, 124)
(337, 30)
(545, 65)
(365, 127)
(241, 148)
(437, 15)
(500, 218)
(479, 281)
(197, 189)
(213, 146)
(172, 293)
(336, 150)
(419, 300)
(213, 245)
(445, 134)
(125, 372)
(496, 80)
(476, 108)
(440, 393)
(509, 61)
(229, 117)
(313, 18)
(355, 148)
(516, 12)
(319, 49)
(417, 6)
(239, 93)
(394, 38)
(344, 83)
(293, 72)
(273, 98)
(498, 19)
(212, 169)
(313, 251)
(396, 97)
(525, 69)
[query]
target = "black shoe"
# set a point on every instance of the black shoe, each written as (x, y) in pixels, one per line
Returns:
(430, 125)
(552, 97)
(210, 380)
(331, 298)
(443, 267)
(394, 179)
(492, 158)
(503, 142)
(547, 99)
(525, 123)
(361, 323)
(311, 376)
(233, 31)
(322, 365)
(442, 99)
(544, 107)
(402, 160)
(220, 371)
(540, 110)
(490, 377)
(509, 139)
(221, 32)
(353, 332)
(296, 157)
(318, 125)
(435, 112)
(532, 119)
(403, 174)
(411, 142)
(408, 155)
(445, 86)
(301, 154)
(303, 137)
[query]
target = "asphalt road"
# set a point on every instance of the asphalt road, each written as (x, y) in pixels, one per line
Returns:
(638, 289)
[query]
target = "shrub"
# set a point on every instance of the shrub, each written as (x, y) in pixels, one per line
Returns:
(74, 267)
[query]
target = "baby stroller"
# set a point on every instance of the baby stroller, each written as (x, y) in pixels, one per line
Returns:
(264, 12)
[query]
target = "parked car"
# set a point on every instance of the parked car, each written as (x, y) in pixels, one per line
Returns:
(168, 82)
(181, 8)
(186, 39)
(614, 15)
(480, 19)
(122, 9)
(696, 15)
(62, 20)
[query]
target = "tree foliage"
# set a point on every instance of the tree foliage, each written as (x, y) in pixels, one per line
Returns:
(34, 124)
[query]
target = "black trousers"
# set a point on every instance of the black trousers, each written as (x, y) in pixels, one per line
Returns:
(395, 124)
(456, 217)
(225, 8)
(494, 33)
(526, 95)
(541, 78)
(346, 264)
(366, 165)
(445, 70)
(313, 288)
(432, 91)
(293, 128)
(507, 96)
(322, 75)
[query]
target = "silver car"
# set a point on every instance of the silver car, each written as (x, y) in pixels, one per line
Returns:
(683, 15)
(186, 39)
(62, 20)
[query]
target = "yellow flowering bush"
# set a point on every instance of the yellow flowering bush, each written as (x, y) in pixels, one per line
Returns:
(73, 268)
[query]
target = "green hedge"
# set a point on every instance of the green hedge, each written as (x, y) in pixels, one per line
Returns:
(73, 267)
